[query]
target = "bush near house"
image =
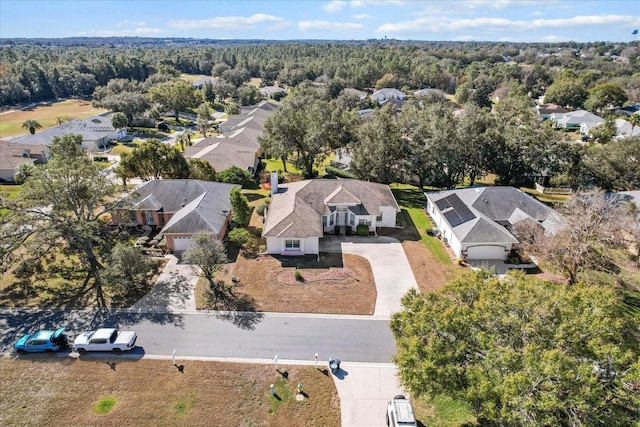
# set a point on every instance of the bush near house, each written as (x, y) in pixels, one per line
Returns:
(362, 230)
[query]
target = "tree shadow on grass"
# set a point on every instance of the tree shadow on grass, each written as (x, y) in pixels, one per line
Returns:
(240, 310)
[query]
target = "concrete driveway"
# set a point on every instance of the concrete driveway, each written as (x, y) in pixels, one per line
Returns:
(173, 291)
(391, 270)
(364, 390)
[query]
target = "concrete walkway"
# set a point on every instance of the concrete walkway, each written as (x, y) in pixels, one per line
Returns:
(173, 290)
(391, 270)
(364, 390)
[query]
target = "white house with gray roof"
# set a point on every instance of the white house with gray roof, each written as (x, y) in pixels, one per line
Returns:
(301, 212)
(477, 222)
(180, 208)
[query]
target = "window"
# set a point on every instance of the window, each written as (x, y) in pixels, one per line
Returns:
(331, 219)
(352, 218)
(379, 218)
(292, 244)
(324, 221)
(364, 221)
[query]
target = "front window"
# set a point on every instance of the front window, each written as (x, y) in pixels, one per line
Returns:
(379, 218)
(331, 219)
(352, 218)
(292, 244)
(364, 221)
(324, 221)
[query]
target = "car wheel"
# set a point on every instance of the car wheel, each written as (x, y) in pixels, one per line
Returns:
(117, 351)
(21, 351)
(82, 351)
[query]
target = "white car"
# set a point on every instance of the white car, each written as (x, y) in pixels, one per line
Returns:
(400, 413)
(105, 339)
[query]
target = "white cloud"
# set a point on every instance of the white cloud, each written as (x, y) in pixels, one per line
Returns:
(334, 6)
(328, 26)
(229, 22)
(362, 3)
(139, 24)
(438, 24)
(536, 13)
(139, 32)
(362, 16)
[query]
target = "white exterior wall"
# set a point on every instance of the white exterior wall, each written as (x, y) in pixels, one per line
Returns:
(309, 245)
(388, 217)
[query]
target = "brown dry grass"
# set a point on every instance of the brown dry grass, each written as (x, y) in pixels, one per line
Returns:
(337, 284)
(43, 390)
(430, 274)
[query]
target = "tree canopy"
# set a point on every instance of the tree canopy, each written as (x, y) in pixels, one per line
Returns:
(522, 352)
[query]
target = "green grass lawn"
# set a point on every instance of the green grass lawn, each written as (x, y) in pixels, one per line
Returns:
(443, 411)
(10, 192)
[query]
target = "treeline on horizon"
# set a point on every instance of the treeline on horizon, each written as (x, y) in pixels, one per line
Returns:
(45, 69)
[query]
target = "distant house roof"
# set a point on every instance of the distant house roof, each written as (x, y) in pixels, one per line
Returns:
(195, 205)
(546, 110)
(628, 110)
(92, 129)
(271, 90)
(386, 94)
(203, 81)
(625, 130)
(297, 208)
(491, 210)
(431, 91)
(576, 118)
(351, 91)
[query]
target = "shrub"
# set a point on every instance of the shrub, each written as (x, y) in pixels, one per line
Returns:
(261, 208)
(298, 276)
(239, 236)
(363, 230)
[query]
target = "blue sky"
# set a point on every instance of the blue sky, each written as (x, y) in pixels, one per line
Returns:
(483, 20)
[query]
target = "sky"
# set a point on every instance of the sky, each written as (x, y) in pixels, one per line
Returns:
(458, 20)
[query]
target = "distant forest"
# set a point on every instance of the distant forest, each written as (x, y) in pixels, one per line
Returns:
(45, 69)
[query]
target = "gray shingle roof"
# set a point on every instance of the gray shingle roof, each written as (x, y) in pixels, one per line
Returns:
(296, 209)
(196, 205)
(494, 206)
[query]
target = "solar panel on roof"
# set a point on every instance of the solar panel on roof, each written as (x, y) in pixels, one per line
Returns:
(459, 212)
(442, 203)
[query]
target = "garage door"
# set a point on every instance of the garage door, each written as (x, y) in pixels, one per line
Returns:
(486, 252)
(181, 243)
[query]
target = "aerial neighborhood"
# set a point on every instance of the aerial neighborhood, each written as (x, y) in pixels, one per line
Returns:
(319, 232)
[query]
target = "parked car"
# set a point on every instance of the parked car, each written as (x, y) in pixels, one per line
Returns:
(400, 413)
(105, 339)
(42, 342)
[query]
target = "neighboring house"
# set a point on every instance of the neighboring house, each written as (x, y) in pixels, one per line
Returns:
(199, 84)
(13, 155)
(272, 91)
(238, 143)
(355, 92)
(477, 222)
(300, 213)
(576, 120)
(96, 132)
(629, 110)
(180, 208)
(625, 130)
(431, 92)
(546, 110)
(387, 94)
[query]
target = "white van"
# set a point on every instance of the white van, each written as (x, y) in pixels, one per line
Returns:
(400, 413)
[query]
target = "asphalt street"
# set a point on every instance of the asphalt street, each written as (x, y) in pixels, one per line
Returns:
(226, 335)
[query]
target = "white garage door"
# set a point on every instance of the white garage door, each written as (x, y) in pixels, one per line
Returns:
(486, 252)
(181, 243)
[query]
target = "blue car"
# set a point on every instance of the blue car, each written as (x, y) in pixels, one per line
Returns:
(42, 341)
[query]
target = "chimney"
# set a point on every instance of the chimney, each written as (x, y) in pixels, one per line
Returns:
(274, 183)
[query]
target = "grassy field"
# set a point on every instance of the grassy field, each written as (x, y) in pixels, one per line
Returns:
(110, 391)
(46, 115)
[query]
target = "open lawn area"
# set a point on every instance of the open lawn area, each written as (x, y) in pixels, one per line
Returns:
(47, 115)
(111, 391)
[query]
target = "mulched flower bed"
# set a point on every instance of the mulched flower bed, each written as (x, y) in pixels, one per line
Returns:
(287, 277)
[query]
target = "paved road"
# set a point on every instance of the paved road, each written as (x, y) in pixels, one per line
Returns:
(248, 335)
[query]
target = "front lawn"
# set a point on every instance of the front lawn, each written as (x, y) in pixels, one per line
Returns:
(111, 391)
